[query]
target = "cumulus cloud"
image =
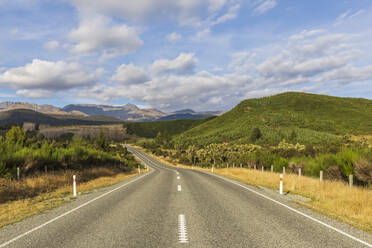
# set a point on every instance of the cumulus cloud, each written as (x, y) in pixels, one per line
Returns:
(96, 34)
(199, 91)
(184, 64)
(130, 74)
(172, 37)
(39, 77)
(306, 61)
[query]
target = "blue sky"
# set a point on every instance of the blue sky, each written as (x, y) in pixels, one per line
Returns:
(168, 54)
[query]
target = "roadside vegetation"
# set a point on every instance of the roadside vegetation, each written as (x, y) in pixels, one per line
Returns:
(171, 127)
(46, 167)
(296, 117)
(51, 190)
(47, 164)
(293, 130)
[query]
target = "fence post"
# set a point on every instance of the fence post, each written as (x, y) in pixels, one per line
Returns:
(351, 180)
(321, 175)
(281, 184)
(299, 172)
(46, 169)
(74, 185)
(272, 168)
(283, 170)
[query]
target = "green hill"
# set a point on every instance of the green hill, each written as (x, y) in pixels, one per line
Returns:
(19, 116)
(297, 117)
(172, 127)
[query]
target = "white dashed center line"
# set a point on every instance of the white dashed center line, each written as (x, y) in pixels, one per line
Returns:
(179, 188)
(178, 177)
(182, 229)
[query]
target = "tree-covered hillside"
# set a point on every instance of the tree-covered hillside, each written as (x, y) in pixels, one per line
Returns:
(172, 127)
(298, 117)
(19, 116)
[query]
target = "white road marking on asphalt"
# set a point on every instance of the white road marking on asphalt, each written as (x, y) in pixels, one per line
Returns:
(70, 211)
(296, 211)
(182, 229)
(178, 177)
(177, 173)
(179, 188)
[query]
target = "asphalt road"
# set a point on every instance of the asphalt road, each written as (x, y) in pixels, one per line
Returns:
(173, 207)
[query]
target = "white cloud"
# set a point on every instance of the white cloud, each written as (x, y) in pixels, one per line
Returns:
(184, 12)
(35, 93)
(40, 76)
(306, 61)
(199, 91)
(51, 45)
(349, 15)
(96, 35)
(201, 35)
(347, 74)
(184, 64)
(264, 6)
(130, 74)
(172, 37)
(232, 13)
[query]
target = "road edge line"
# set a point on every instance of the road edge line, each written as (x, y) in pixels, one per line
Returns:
(71, 211)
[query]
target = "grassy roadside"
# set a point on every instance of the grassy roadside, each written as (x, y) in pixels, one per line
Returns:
(332, 198)
(17, 210)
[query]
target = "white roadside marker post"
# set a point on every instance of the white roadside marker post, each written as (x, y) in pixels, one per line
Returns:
(272, 168)
(299, 172)
(18, 174)
(212, 169)
(283, 170)
(262, 168)
(139, 170)
(321, 175)
(281, 184)
(351, 180)
(74, 185)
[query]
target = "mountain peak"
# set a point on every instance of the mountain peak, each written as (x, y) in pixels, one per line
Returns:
(184, 111)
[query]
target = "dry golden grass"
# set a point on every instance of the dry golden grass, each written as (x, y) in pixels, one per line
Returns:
(54, 194)
(332, 198)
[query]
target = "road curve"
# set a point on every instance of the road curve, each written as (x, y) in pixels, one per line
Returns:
(173, 207)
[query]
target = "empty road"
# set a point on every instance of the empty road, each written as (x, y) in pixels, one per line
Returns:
(173, 207)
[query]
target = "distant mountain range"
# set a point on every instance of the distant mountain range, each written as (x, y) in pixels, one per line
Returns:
(128, 112)
(188, 114)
